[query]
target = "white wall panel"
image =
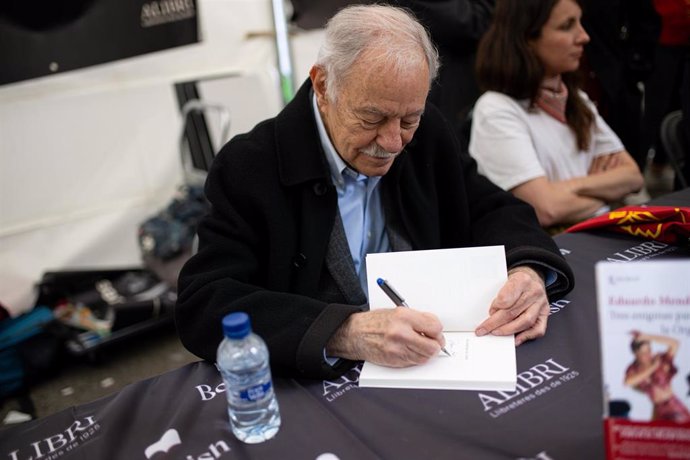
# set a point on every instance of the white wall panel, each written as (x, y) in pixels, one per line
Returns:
(85, 156)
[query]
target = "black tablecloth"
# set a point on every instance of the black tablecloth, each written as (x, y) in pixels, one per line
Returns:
(556, 412)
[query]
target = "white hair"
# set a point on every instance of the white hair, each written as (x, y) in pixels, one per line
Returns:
(392, 34)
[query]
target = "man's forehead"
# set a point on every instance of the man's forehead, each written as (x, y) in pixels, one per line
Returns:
(380, 111)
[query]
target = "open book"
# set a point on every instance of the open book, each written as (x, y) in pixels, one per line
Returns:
(457, 285)
(644, 324)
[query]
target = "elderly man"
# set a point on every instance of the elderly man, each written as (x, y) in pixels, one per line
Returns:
(357, 163)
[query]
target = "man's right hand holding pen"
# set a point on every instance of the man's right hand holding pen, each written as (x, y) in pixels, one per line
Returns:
(394, 337)
(398, 300)
(402, 337)
(388, 337)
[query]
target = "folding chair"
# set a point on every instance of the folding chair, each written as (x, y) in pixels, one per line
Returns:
(676, 147)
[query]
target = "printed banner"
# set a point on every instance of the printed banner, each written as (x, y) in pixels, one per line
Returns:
(39, 38)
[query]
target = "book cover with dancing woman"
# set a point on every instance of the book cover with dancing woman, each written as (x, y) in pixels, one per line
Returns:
(644, 324)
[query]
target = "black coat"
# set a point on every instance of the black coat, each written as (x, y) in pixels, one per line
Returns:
(262, 248)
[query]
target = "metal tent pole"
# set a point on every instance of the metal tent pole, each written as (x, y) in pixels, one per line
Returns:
(287, 87)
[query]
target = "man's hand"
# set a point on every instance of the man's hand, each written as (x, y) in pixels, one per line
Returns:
(394, 337)
(520, 307)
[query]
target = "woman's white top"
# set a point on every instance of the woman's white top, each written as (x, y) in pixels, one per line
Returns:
(514, 144)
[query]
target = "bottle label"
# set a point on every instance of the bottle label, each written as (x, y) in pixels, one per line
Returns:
(256, 393)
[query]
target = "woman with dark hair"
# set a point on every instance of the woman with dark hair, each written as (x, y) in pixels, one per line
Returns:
(652, 373)
(534, 132)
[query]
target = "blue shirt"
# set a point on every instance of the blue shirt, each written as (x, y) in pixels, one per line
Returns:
(359, 203)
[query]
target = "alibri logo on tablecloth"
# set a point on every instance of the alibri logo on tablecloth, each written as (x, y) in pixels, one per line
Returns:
(531, 384)
(333, 389)
(59, 444)
(642, 251)
(558, 305)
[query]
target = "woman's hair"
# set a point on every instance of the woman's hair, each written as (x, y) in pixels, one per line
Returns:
(392, 33)
(506, 62)
(637, 344)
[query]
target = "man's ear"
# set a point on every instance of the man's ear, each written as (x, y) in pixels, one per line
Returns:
(318, 80)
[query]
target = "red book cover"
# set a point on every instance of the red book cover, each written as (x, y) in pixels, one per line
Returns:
(630, 440)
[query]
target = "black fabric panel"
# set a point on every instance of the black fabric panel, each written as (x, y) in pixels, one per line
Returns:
(39, 37)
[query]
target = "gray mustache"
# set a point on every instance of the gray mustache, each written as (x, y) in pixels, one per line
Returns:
(375, 151)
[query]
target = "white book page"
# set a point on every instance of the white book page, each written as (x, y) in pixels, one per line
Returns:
(457, 285)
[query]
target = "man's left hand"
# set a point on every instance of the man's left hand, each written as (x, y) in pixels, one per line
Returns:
(520, 307)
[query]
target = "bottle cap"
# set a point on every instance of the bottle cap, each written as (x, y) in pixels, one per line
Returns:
(236, 325)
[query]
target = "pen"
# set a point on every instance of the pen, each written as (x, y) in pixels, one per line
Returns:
(397, 299)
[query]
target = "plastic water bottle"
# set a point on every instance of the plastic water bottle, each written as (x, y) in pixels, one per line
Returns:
(243, 362)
